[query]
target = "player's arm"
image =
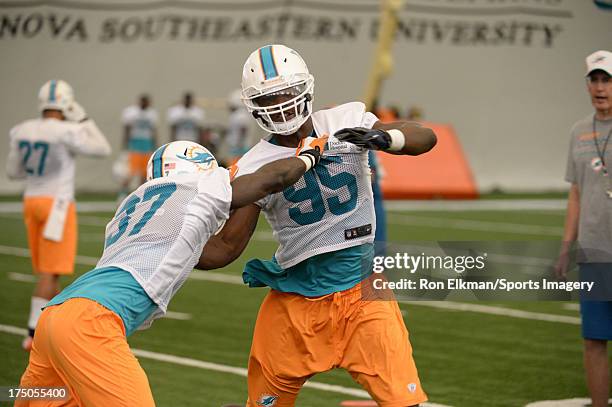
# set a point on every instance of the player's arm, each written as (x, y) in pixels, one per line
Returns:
(269, 179)
(14, 162)
(86, 138)
(227, 245)
(154, 136)
(400, 137)
(570, 231)
(126, 136)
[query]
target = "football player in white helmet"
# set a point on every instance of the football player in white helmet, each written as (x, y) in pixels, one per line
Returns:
(42, 152)
(139, 139)
(81, 340)
(314, 318)
(239, 126)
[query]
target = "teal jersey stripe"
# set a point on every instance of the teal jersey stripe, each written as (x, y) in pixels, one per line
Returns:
(114, 289)
(267, 62)
(318, 275)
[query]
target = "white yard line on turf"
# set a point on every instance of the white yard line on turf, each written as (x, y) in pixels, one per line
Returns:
(420, 205)
(264, 236)
(575, 402)
(91, 237)
(217, 367)
(22, 252)
(83, 220)
(571, 306)
(24, 278)
(475, 225)
(478, 205)
(181, 316)
(493, 310)
(94, 206)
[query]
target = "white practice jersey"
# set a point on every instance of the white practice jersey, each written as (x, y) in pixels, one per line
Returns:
(237, 137)
(188, 121)
(142, 122)
(43, 152)
(159, 230)
(331, 207)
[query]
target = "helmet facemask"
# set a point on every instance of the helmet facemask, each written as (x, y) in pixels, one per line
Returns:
(288, 116)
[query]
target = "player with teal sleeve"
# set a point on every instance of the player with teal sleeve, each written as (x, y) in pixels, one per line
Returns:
(151, 246)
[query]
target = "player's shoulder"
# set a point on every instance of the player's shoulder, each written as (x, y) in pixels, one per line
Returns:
(260, 154)
(24, 125)
(129, 113)
(196, 110)
(47, 128)
(215, 183)
(346, 112)
(130, 110)
(151, 113)
(585, 121)
(584, 125)
(175, 112)
(354, 107)
(352, 114)
(176, 109)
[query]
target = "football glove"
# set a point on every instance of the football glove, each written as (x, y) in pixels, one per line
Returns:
(371, 139)
(310, 150)
(75, 113)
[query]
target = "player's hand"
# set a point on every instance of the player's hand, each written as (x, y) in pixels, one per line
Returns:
(371, 139)
(562, 265)
(75, 113)
(311, 148)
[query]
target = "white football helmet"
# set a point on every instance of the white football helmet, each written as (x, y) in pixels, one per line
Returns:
(234, 100)
(55, 95)
(277, 70)
(180, 157)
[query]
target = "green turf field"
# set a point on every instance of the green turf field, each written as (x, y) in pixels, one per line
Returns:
(465, 358)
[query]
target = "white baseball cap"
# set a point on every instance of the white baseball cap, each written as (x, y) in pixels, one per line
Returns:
(599, 60)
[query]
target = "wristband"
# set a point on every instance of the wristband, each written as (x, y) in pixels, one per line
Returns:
(308, 160)
(397, 140)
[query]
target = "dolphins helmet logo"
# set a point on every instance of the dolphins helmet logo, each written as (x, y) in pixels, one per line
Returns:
(202, 158)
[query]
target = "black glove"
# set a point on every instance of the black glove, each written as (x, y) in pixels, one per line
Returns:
(371, 139)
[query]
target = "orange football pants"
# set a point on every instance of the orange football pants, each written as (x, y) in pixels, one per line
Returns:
(49, 256)
(138, 163)
(296, 337)
(82, 345)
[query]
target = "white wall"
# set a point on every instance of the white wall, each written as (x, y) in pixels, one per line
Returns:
(508, 74)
